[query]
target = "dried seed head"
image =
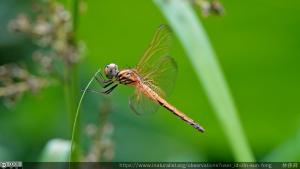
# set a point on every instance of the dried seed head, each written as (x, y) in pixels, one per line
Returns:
(20, 24)
(209, 7)
(217, 7)
(42, 27)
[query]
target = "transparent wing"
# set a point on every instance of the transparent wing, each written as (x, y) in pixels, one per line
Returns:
(156, 67)
(158, 46)
(141, 105)
(157, 70)
(161, 79)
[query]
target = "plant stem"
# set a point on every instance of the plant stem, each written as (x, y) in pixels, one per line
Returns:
(193, 37)
(75, 11)
(77, 115)
(69, 93)
(72, 69)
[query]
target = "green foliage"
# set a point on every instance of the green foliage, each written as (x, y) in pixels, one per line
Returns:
(196, 43)
(257, 44)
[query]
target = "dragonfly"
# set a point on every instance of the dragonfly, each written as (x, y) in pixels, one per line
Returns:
(153, 78)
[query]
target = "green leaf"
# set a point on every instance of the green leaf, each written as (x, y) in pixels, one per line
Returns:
(287, 151)
(193, 37)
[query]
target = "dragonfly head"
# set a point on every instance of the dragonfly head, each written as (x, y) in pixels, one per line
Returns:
(111, 70)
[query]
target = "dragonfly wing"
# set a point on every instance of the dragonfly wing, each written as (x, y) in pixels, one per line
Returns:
(162, 77)
(158, 47)
(156, 67)
(140, 104)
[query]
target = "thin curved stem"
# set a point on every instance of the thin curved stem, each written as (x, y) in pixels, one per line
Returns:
(77, 113)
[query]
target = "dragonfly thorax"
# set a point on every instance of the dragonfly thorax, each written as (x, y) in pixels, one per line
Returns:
(127, 76)
(111, 70)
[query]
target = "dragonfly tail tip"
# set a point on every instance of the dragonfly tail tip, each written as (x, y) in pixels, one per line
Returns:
(200, 128)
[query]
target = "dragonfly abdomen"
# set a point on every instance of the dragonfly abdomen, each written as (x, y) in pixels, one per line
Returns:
(179, 114)
(156, 98)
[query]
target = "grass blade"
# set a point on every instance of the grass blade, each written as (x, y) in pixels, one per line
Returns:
(77, 114)
(190, 32)
(286, 152)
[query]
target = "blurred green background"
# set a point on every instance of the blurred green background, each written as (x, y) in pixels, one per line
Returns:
(257, 44)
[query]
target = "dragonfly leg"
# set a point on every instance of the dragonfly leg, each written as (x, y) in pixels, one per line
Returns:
(108, 84)
(91, 90)
(101, 76)
(104, 83)
(110, 89)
